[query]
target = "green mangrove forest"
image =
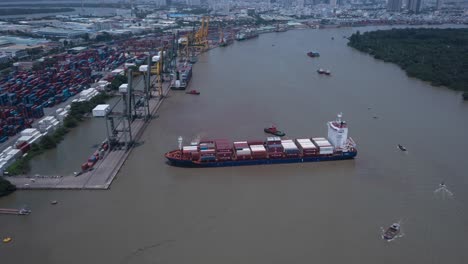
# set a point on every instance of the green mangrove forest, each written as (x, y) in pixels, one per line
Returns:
(438, 56)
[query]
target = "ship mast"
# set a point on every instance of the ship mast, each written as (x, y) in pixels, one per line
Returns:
(180, 140)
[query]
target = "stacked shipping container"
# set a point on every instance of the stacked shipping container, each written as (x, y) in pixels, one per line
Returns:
(242, 150)
(307, 147)
(24, 94)
(275, 149)
(223, 150)
(325, 148)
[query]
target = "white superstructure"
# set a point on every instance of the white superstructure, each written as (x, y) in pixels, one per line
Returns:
(338, 133)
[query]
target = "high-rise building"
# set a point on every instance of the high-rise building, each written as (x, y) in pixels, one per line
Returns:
(192, 2)
(439, 4)
(414, 5)
(333, 3)
(394, 5)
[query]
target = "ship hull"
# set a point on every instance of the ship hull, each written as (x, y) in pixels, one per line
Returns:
(182, 87)
(231, 163)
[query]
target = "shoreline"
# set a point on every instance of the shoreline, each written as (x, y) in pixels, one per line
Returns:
(105, 170)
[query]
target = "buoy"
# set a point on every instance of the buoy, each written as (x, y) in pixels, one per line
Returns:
(7, 240)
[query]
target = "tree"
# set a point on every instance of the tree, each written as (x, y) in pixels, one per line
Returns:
(118, 80)
(6, 187)
(47, 142)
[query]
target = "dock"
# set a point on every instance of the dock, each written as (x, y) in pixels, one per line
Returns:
(103, 172)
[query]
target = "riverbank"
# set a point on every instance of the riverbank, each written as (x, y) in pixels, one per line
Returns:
(6, 187)
(434, 55)
(77, 111)
(104, 170)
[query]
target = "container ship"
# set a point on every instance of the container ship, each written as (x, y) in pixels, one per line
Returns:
(247, 34)
(273, 150)
(182, 78)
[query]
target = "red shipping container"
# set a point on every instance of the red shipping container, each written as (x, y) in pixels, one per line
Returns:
(20, 145)
(25, 148)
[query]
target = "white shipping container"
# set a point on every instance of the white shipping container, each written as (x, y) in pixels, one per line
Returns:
(307, 146)
(123, 88)
(24, 139)
(189, 147)
(257, 148)
(240, 142)
(287, 141)
(273, 139)
(143, 68)
(318, 138)
(322, 143)
(28, 132)
(101, 110)
(326, 152)
(15, 153)
(243, 152)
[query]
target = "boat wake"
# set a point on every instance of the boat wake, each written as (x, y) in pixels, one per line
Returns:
(443, 191)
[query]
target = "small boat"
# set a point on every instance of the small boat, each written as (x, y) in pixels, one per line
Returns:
(401, 147)
(313, 54)
(195, 92)
(274, 131)
(322, 71)
(24, 211)
(53, 202)
(391, 232)
(7, 240)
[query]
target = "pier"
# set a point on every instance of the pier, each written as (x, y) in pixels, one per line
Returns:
(103, 172)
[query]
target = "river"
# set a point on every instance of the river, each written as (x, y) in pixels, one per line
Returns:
(329, 212)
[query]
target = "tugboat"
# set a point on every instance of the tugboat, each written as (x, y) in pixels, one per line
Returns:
(401, 147)
(274, 131)
(391, 232)
(313, 54)
(194, 92)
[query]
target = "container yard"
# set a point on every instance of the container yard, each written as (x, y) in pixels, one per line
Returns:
(273, 150)
(24, 94)
(99, 169)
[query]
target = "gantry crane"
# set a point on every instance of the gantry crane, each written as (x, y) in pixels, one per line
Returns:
(221, 43)
(158, 70)
(201, 36)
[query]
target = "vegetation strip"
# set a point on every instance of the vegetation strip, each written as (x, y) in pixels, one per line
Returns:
(439, 56)
(6, 187)
(77, 112)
